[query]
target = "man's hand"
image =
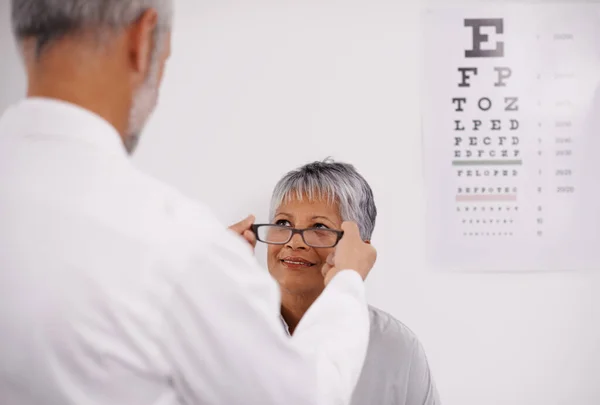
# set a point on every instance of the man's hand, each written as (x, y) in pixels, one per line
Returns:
(351, 253)
(242, 228)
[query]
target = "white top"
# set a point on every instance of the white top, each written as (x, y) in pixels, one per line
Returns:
(396, 370)
(117, 290)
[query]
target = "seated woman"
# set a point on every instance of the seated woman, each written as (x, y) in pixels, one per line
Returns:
(307, 209)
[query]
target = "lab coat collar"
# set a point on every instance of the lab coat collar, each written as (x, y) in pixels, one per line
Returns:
(36, 116)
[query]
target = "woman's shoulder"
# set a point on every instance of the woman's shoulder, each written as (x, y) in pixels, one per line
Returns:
(395, 361)
(389, 333)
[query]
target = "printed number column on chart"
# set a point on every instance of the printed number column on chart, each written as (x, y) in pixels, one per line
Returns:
(556, 141)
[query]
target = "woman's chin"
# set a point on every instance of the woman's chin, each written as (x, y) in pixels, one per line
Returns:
(299, 281)
(308, 286)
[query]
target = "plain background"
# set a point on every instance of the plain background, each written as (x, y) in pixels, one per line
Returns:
(257, 88)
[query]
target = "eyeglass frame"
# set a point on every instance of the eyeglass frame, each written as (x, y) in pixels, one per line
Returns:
(295, 231)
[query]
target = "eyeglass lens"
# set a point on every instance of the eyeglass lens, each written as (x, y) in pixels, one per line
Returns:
(277, 234)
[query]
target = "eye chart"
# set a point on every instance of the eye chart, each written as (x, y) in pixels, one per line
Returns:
(511, 136)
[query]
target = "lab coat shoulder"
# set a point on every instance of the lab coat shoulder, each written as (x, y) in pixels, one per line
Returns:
(199, 255)
(174, 227)
(170, 209)
(203, 252)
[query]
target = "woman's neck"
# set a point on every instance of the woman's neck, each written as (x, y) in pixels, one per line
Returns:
(294, 306)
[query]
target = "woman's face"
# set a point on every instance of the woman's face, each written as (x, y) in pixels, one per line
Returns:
(296, 266)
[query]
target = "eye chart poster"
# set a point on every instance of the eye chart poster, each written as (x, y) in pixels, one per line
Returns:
(511, 136)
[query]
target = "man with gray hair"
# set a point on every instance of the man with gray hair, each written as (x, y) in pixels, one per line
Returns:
(114, 288)
(308, 208)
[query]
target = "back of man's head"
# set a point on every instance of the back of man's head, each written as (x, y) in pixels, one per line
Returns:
(76, 50)
(49, 20)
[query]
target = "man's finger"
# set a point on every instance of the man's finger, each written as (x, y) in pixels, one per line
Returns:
(243, 224)
(350, 228)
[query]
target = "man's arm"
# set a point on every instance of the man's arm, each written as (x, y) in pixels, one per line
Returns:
(226, 343)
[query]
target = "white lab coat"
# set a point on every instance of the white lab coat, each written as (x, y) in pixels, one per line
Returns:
(117, 290)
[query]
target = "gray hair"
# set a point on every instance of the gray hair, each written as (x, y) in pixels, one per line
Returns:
(49, 20)
(333, 181)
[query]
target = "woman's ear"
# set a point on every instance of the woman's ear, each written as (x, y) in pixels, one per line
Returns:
(368, 242)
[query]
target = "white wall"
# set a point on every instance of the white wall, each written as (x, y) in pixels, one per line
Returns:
(254, 90)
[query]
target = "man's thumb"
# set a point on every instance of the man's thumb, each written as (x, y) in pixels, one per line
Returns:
(331, 259)
(326, 268)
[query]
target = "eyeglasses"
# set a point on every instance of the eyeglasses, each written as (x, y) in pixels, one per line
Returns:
(313, 237)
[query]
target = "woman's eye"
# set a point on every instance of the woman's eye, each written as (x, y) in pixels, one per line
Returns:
(283, 222)
(323, 226)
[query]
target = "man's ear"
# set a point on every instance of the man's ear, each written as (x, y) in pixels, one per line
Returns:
(141, 43)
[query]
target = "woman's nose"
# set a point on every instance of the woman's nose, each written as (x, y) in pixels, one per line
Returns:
(297, 242)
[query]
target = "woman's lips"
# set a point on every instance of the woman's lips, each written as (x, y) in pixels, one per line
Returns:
(296, 263)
